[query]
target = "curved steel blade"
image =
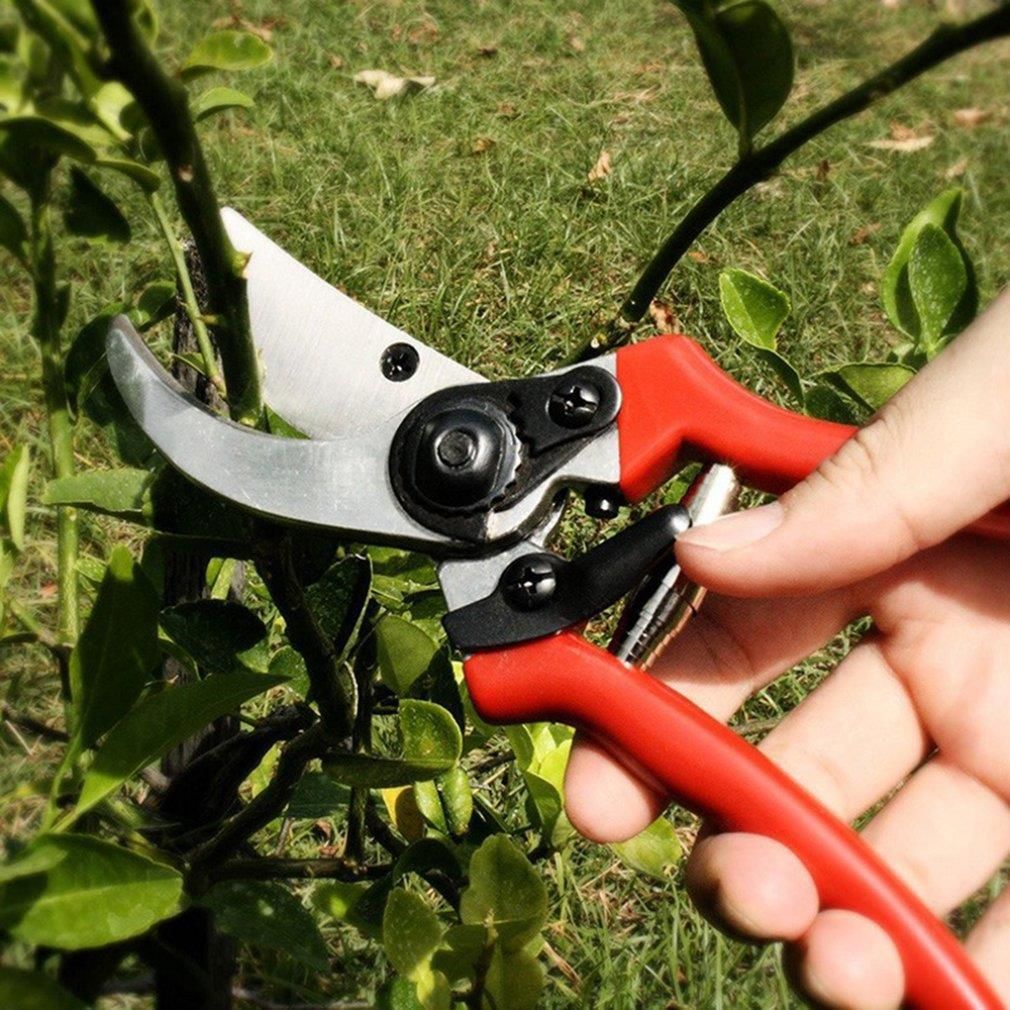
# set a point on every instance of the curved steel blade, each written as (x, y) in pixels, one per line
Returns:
(340, 484)
(321, 351)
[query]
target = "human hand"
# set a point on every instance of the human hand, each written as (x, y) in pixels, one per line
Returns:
(925, 697)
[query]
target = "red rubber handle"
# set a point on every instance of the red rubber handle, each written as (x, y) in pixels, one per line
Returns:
(680, 405)
(710, 770)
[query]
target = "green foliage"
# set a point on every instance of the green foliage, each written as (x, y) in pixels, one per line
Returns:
(653, 851)
(756, 310)
(219, 99)
(227, 50)
(218, 635)
(943, 297)
(339, 598)
(117, 650)
(405, 652)
(937, 280)
(929, 294)
(268, 916)
(505, 895)
(97, 893)
(31, 990)
(13, 233)
(431, 744)
(161, 721)
(748, 55)
(14, 494)
(91, 213)
(541, 751)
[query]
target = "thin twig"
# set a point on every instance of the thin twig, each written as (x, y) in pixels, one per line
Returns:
(259, 812)
(189, 299)
(333, 687)
(165, 103)
(35, 726)
(946, 41)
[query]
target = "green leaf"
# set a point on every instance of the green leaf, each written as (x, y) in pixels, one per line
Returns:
(785, 371)
(32, 860)
(114, 107)
(97, 894)
(161, 721)
(505, 893)
(13, 233)
(652, 851)
(824, 402)
(31, 990)
(123, 492)
(92, 214)
(338, 600)
(397, 994)
(316, 795)
(514, 979)
(411, 933)
(219, 635)
(156, 302)
(405, 652)
(420, 857)
(429, 805)
(871, 383)
(457, 799)
(147, 179)
(748, 56)
(338, 899)
(217, 100)
(755, 309)
(895, 288)
(117, 650)
(432, 744)
(227, 50)
(14, 493)
(267, 915)
(937, 279)
(462, 947)
(30, 134)
(84, 365)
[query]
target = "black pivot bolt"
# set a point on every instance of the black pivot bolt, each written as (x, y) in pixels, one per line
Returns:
(398, 362)
(573, 404)
(529, 583)
(456, 448)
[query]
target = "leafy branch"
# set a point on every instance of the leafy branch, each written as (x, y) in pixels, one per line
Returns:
(757, 164)
(259, 812)
(165, 102)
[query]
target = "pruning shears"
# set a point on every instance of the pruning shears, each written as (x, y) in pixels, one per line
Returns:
(407, 447)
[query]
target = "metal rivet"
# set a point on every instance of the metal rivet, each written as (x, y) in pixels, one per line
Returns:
(399, 362)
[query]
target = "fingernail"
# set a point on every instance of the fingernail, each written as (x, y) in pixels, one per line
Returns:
(741, 529)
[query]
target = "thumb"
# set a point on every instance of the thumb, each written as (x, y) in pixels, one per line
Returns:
(933, 460)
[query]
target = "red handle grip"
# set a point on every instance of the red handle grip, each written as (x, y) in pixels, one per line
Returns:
(679, 404)
(710, 770)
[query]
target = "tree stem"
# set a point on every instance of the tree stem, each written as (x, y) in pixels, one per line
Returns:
(210, 365)
(165, 102)
(47, 322)
(333, 688)
(946, 41)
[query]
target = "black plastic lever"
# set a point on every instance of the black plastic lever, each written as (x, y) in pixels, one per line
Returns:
(540, 593)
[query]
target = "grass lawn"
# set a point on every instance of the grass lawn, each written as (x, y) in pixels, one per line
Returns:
(464, 215)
